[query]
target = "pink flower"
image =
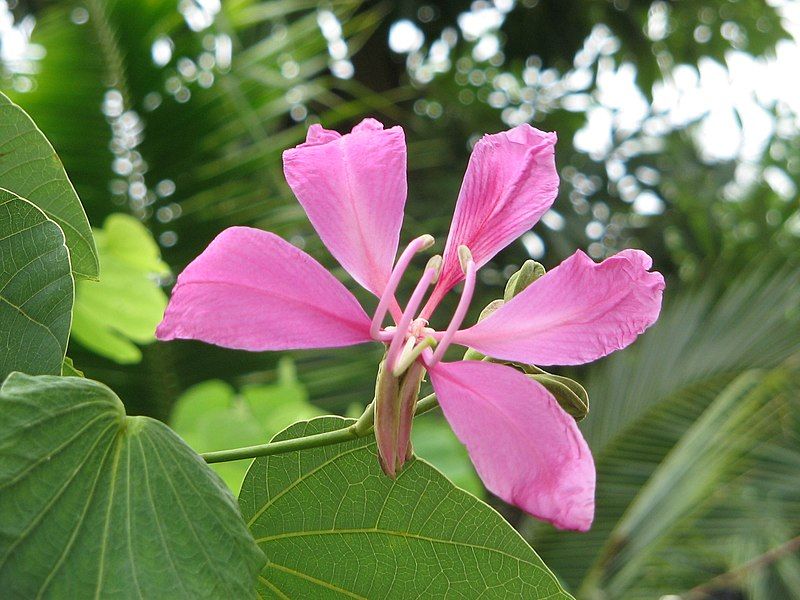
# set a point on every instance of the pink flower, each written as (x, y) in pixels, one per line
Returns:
(252, 290)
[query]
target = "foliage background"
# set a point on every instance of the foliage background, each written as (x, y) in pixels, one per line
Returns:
(678, 134)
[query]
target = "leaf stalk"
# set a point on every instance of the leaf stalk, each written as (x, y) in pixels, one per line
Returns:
(360, 428)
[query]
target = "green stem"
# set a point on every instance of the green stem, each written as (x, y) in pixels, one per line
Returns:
(361, 428)
(427, 404)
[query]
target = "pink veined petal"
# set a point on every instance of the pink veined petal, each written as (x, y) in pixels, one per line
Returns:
(525, 447)
(353, 189)
(576, 313)
(252, 290)
(511, 181)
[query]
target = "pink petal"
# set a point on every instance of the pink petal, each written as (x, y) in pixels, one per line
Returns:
(576, 313)
(525, 447)
(254, 291)
(353, 188)
(511, 181)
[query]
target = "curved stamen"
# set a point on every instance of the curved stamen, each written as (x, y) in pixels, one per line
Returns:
(416, 245)
(468, 265)
(428, 277)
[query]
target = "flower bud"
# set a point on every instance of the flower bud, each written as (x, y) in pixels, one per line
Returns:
(387, 417)
(569, 394)
(527, 274)
(395, 403)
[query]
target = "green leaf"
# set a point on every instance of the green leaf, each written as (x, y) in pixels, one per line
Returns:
(36, 289)
(126, 305)
(333, 526)
(30, 168)
(212, 416)
(94, 504)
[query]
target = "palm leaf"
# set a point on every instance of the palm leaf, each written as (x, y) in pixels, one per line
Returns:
(694, 436)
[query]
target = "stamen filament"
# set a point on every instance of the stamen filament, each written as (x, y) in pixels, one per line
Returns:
(416, 245)
(461, 310)
(408, 356)
(408, 314)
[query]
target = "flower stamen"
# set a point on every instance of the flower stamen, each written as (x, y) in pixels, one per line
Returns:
(416, 245)
(469, 268)
(428, 277)
(411, 353)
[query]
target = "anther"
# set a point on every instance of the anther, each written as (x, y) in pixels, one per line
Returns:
(435, 263)
(464, 257)
(427, 240)
(416, 245)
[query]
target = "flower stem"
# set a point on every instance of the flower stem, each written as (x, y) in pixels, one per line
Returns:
(360, 428)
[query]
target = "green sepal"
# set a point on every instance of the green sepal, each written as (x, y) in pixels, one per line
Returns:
(529, 272)
(570, 394)
(471, 354)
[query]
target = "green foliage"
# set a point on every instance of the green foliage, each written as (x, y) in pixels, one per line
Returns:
(95, 504)
(36, 289)
(126, 305)
(30, 168)
(333, 526)
(705, 499)
(212, 416)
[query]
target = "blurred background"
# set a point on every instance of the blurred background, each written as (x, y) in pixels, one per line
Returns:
(678, 134)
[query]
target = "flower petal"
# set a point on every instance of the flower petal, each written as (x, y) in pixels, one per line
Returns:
(574, 314)
(254, 291)
(526, 449)
(511, 181)
(353, 188)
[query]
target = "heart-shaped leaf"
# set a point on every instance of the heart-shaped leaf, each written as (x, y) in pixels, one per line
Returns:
(126, 305)
(334, 526)
(30, 168)
(94, 504)
(36, 289)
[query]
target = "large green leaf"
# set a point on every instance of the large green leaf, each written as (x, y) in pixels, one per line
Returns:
(334, 526)
(127, 303)
(212, 416)
(36, 289)
(30, 168)
(94, 504)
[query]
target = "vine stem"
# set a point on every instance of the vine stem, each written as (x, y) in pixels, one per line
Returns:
(362, 427)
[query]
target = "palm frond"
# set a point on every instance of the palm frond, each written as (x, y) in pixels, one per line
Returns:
(695, 437)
